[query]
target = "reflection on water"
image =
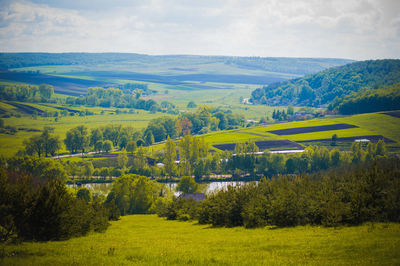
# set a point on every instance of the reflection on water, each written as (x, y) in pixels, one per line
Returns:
(96, 188)
(208, 188)
(215, 186)
(105, 188)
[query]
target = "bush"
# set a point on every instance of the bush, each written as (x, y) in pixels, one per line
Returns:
(134, 194)
(187, 185)
(355, 194)
(178, 209)
(37, 208)
(84, 194)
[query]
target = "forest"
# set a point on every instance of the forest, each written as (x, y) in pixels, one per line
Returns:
(323, 87)
(385, 98)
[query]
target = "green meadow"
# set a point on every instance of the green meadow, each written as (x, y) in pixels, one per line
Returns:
(149, 240)
(368, 124)
(9, 144)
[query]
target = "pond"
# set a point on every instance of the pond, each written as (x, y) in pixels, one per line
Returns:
(207, 188)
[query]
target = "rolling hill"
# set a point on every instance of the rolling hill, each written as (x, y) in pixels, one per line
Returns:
(323, 87)
(71, 73)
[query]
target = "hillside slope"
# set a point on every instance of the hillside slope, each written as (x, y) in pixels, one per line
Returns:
(386, 98)
(178, 64)
(321, 88)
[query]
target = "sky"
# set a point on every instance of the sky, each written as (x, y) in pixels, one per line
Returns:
(353, 29)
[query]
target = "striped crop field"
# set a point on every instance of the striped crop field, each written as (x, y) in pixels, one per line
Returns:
(363, 125)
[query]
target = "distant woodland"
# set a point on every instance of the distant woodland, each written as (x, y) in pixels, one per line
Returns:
(322, 88)
(368, 100)
(299, 66)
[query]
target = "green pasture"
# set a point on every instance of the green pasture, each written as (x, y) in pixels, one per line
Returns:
(351, 132)
(226, 97)
(10, 144)
(379, 124)
(236, 136)
(368, 124)
(166, 66)
(149, 240)
(7, 107)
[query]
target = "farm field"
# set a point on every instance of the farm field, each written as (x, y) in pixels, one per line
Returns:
(300, 130)
(366, 125)
(10, 144)
(362, 125)
(149, 240)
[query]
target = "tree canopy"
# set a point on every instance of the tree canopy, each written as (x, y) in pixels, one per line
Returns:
(323, 87)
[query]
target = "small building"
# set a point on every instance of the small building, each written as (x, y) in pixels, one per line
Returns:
(362, 140)
(196, 196)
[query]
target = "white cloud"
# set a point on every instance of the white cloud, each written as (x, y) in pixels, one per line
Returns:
(358, 29)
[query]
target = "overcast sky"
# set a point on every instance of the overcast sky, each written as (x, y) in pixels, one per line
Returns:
(354, 29)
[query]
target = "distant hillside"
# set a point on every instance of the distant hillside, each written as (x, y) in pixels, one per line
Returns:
(73, 73)
(175, 63)
(63, 85)
(323, 87)
(386, 98)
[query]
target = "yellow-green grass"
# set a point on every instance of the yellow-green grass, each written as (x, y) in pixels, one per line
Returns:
(368, 124)
(42, 107)
(379, 124)
(236, 136)
(296, 124)
(351, 132)
(227, 98)
(149, 240)
(10, 144)
(6, 106)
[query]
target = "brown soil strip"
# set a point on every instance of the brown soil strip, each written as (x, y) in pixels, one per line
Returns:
(262, 145)
(301, 130)
(372, 138)
(394, 114)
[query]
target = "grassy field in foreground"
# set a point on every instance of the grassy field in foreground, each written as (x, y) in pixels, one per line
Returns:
(149, 240)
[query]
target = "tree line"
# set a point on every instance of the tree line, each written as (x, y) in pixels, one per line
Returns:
(386, 98)
(351, 195)
(190, 155)
(129, 96)
(80, 139)
(203, 120)
(115, 97)
(26, 93)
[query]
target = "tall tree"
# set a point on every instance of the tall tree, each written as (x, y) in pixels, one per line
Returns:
(185, 154)
(95, 136)
(148, 137)
(131, 146)
(42, 145)
(46, 91)
(107, 145)
(140, 161)
(170, 157)
(187, 185)
(77, 139)
(122, 159)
